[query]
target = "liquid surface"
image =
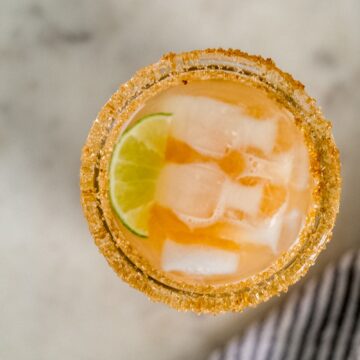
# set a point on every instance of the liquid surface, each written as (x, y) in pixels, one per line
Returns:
(235, 188)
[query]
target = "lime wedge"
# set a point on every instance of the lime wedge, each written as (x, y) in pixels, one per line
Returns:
(135, 166)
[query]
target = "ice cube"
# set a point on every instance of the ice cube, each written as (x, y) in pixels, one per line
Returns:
(267, 232)
(212, 127)
(192, 191)
(260, 134)
(200, 122)
(300, 173)
(277, 170)
(198, 259)
(242, 198)
(293, 223)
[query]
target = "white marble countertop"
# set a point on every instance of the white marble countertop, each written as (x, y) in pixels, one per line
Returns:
(59, 62)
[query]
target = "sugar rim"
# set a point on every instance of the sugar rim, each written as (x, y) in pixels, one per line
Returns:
(109, 235)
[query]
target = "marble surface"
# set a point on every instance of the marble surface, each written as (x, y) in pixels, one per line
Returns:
(59, 62)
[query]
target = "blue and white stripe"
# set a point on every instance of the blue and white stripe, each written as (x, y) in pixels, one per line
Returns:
(320, 321)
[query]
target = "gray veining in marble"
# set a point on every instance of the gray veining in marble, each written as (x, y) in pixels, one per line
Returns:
(59, 62)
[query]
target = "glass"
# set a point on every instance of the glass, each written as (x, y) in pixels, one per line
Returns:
(119, 246)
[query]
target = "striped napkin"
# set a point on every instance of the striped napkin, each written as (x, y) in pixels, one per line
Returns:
(318, 321)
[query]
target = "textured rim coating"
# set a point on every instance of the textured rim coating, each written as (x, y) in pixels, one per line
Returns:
(110, 235)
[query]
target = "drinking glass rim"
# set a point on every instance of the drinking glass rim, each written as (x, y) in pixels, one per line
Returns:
(209, 64)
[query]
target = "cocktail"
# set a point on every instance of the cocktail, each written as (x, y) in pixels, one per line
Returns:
(210, 180)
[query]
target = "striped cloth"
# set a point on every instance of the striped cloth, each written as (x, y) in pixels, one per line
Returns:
(319, 321)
